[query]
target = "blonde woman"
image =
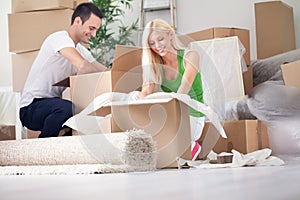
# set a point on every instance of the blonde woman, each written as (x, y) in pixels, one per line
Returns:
(168, 65)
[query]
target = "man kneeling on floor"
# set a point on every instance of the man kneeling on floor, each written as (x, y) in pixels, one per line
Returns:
(61, 55)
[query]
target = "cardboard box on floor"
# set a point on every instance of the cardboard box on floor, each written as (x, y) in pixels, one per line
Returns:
(290, 73)
(166, 120)
(7, 132)
(245, 136)
(125, 76)
(27, 31)
(275, 31)
(35, 5)
(219, 32)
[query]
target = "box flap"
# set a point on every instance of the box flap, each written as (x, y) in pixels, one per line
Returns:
(138, 102)
(290, 73)
(127, 58)
(65, 82)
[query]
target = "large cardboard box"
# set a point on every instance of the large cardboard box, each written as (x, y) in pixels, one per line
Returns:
(275, 31)
(245, 136)
(35, 5)
(125, 76)
(219, 32)
(21, 65)
(167, 120)
(290, 73)
(28, 30)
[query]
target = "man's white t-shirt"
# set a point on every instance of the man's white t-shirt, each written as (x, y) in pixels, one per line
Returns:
(51, 67)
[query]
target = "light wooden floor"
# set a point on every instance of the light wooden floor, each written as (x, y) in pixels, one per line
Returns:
(280, 182)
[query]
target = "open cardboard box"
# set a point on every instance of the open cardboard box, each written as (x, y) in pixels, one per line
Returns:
(290, 73)
(244, 136)
(167, 120)
(125, 76)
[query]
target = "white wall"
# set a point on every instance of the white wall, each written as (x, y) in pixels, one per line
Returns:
(5, 58)
(192, 15)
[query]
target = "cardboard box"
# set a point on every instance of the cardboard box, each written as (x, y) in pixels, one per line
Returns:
(290, 73)
(125, 76)
(21, 65)
(167, 120)
(248, 80)
(77, 2)
(275, 31)
(7, 132)
(35, 5)
(245, 136)
(27, 31)
(219, 32)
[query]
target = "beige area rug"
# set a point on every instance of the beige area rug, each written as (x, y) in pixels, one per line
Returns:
(128, 151)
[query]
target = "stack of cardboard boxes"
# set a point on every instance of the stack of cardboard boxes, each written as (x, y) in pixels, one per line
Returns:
(29, 24)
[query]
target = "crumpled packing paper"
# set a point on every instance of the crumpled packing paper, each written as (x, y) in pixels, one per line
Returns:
(257, 158)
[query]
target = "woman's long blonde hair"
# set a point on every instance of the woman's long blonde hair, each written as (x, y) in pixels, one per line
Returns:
(152, 62)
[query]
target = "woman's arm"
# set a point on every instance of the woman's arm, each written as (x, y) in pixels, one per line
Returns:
(147, 89)
(191, 62)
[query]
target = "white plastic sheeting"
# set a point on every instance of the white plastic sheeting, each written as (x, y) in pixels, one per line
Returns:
(221, 66)
(278, 106)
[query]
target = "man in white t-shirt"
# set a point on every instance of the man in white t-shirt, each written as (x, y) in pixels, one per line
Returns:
(61, 55)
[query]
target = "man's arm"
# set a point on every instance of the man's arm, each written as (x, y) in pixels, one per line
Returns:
(82, 65)
(100, 66)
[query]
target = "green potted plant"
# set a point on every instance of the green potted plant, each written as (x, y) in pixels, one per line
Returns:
(103, 45)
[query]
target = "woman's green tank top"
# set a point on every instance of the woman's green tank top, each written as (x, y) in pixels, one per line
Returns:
(196, 91)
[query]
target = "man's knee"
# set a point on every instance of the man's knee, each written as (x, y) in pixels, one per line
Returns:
(66, 107)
